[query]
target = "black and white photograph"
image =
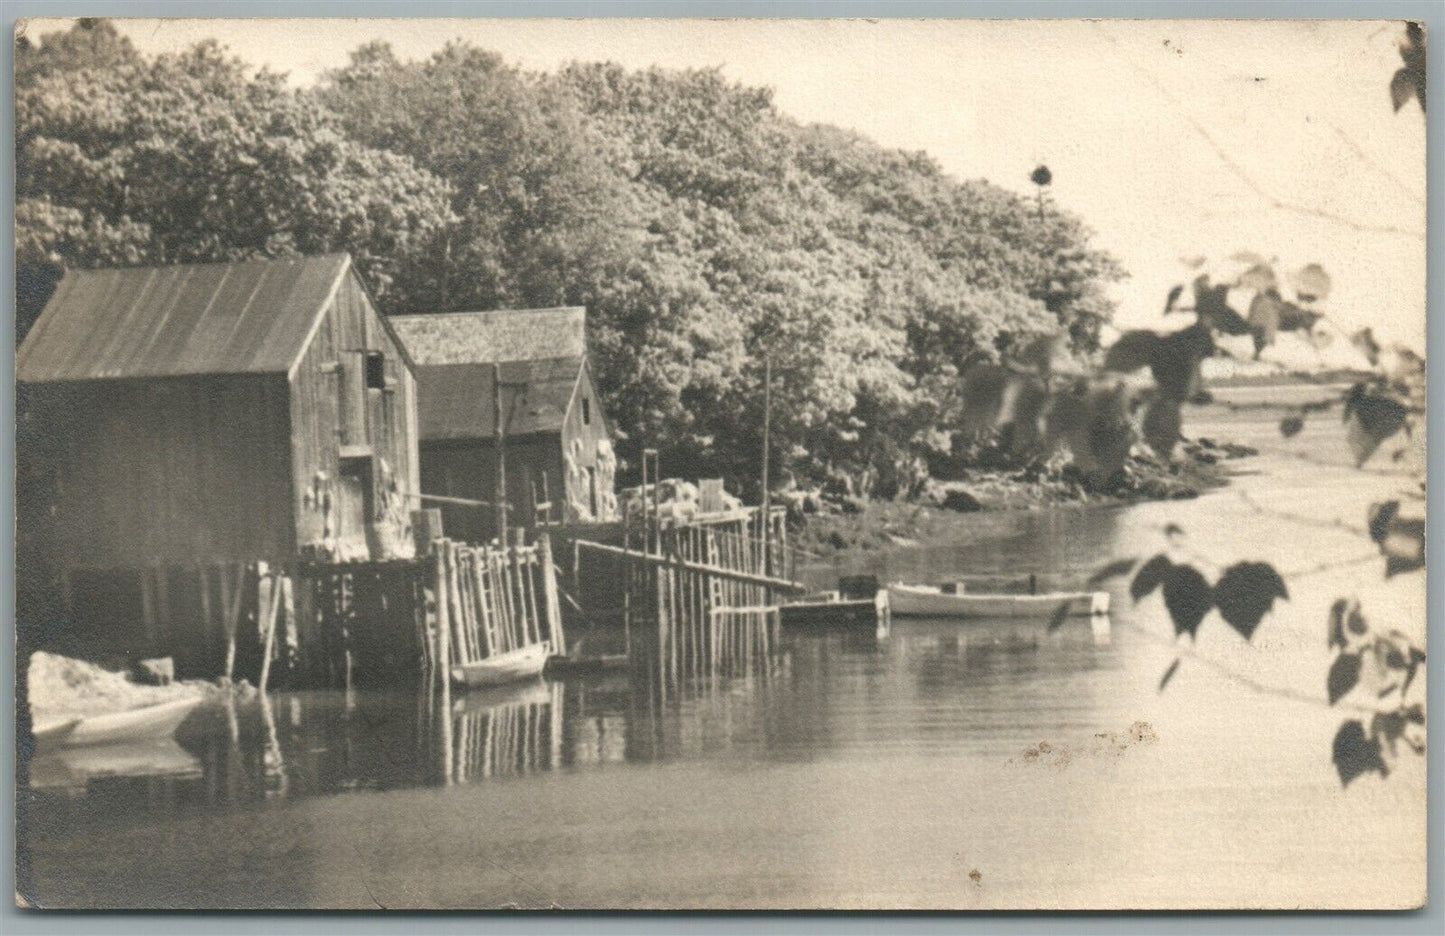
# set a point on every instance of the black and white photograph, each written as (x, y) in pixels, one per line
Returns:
(720, 464)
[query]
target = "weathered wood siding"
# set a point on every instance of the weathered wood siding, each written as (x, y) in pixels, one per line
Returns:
(165, 471)
(587, 450)
(333, 412)
(468, 470)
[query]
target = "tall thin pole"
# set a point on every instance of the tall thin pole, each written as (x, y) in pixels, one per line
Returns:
(499, 432)
(765, 526)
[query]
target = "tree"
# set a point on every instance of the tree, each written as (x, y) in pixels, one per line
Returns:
(541, 216)
(124, 160)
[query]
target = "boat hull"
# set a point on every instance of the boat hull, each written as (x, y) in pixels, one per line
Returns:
(840, 614)
(509, 667)
(143, 724)
(919, 601)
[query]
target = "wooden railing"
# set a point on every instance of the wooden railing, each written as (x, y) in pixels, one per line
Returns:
(491, 600)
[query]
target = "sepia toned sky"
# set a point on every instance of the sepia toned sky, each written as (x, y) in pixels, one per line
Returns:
(1171, 138)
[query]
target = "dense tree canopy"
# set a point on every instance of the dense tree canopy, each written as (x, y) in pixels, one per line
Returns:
(124, 160)
(704, 230)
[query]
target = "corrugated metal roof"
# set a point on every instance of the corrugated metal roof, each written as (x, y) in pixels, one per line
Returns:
(455, 400)
(254, 316)
(500, 336)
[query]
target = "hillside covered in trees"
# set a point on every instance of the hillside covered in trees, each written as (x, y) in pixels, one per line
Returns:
(703, 230)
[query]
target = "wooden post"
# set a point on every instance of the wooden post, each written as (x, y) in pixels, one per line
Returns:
(147, 610)
(484, 617)
(767, 426)
(271, 615)
(499, 434)
(228, 623)
(426, 526)
(549, 592)
(443, 654)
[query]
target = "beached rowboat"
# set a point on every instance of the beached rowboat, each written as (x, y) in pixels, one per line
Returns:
(128, 727)
(933, 601)
(523, 663)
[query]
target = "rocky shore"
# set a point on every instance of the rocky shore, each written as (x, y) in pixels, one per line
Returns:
(832, 525)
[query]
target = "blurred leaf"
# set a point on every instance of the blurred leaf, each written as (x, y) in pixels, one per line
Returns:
(1149, 577)
(1113, 570)
(1355, 620)
(1337, 624)
(1260, 277)
(1246, 592)
(1370, 418)
(1344, 675)
(1041, 176)
(1405, 547)
(1401, 539)
(1290, 426)
(1409, 81)
(1355, 754)
(1211, 304)
(1188, 597)
(983, 392)
(1311, 283)
(1133, 351)
(1380, 517)
(1391, 655)
(1175, 364)
(1264, 319)
(1173, 297)
(1388, 726)
(1294, 318)
(1402, 88)
(1417, 657)
(1169, 673)
(1162, 422)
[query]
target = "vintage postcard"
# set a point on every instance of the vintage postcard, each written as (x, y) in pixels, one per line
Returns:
(727, 464)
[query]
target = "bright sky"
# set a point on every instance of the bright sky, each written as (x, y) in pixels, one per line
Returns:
(1172, 139)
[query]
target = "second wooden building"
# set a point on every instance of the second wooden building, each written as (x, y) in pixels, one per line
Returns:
(515, 384)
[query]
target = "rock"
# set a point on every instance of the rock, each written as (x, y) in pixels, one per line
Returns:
(960, 500)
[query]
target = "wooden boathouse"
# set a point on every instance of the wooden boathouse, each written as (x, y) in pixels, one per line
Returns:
(510, 393)
(181, 424)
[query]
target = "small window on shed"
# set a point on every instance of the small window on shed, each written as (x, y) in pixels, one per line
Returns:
(586, 411)
(375, 370)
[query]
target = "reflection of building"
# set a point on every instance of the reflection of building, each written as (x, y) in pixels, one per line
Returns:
(205, 416)
(559, 463)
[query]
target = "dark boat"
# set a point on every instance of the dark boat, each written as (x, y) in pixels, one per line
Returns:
(858, 604)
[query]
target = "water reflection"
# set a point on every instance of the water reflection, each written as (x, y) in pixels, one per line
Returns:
(932, 686)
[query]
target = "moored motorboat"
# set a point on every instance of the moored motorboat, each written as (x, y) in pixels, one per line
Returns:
(936, 601)
(499, 669)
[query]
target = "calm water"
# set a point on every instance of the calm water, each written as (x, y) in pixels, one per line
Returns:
(951, 765)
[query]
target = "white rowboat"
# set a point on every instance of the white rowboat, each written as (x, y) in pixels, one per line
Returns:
(152, 721)
(514, 665)
(932, 601)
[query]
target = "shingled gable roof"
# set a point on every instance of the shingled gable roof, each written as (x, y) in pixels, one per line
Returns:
(541, 353)
(249, 317)
(494, 337)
